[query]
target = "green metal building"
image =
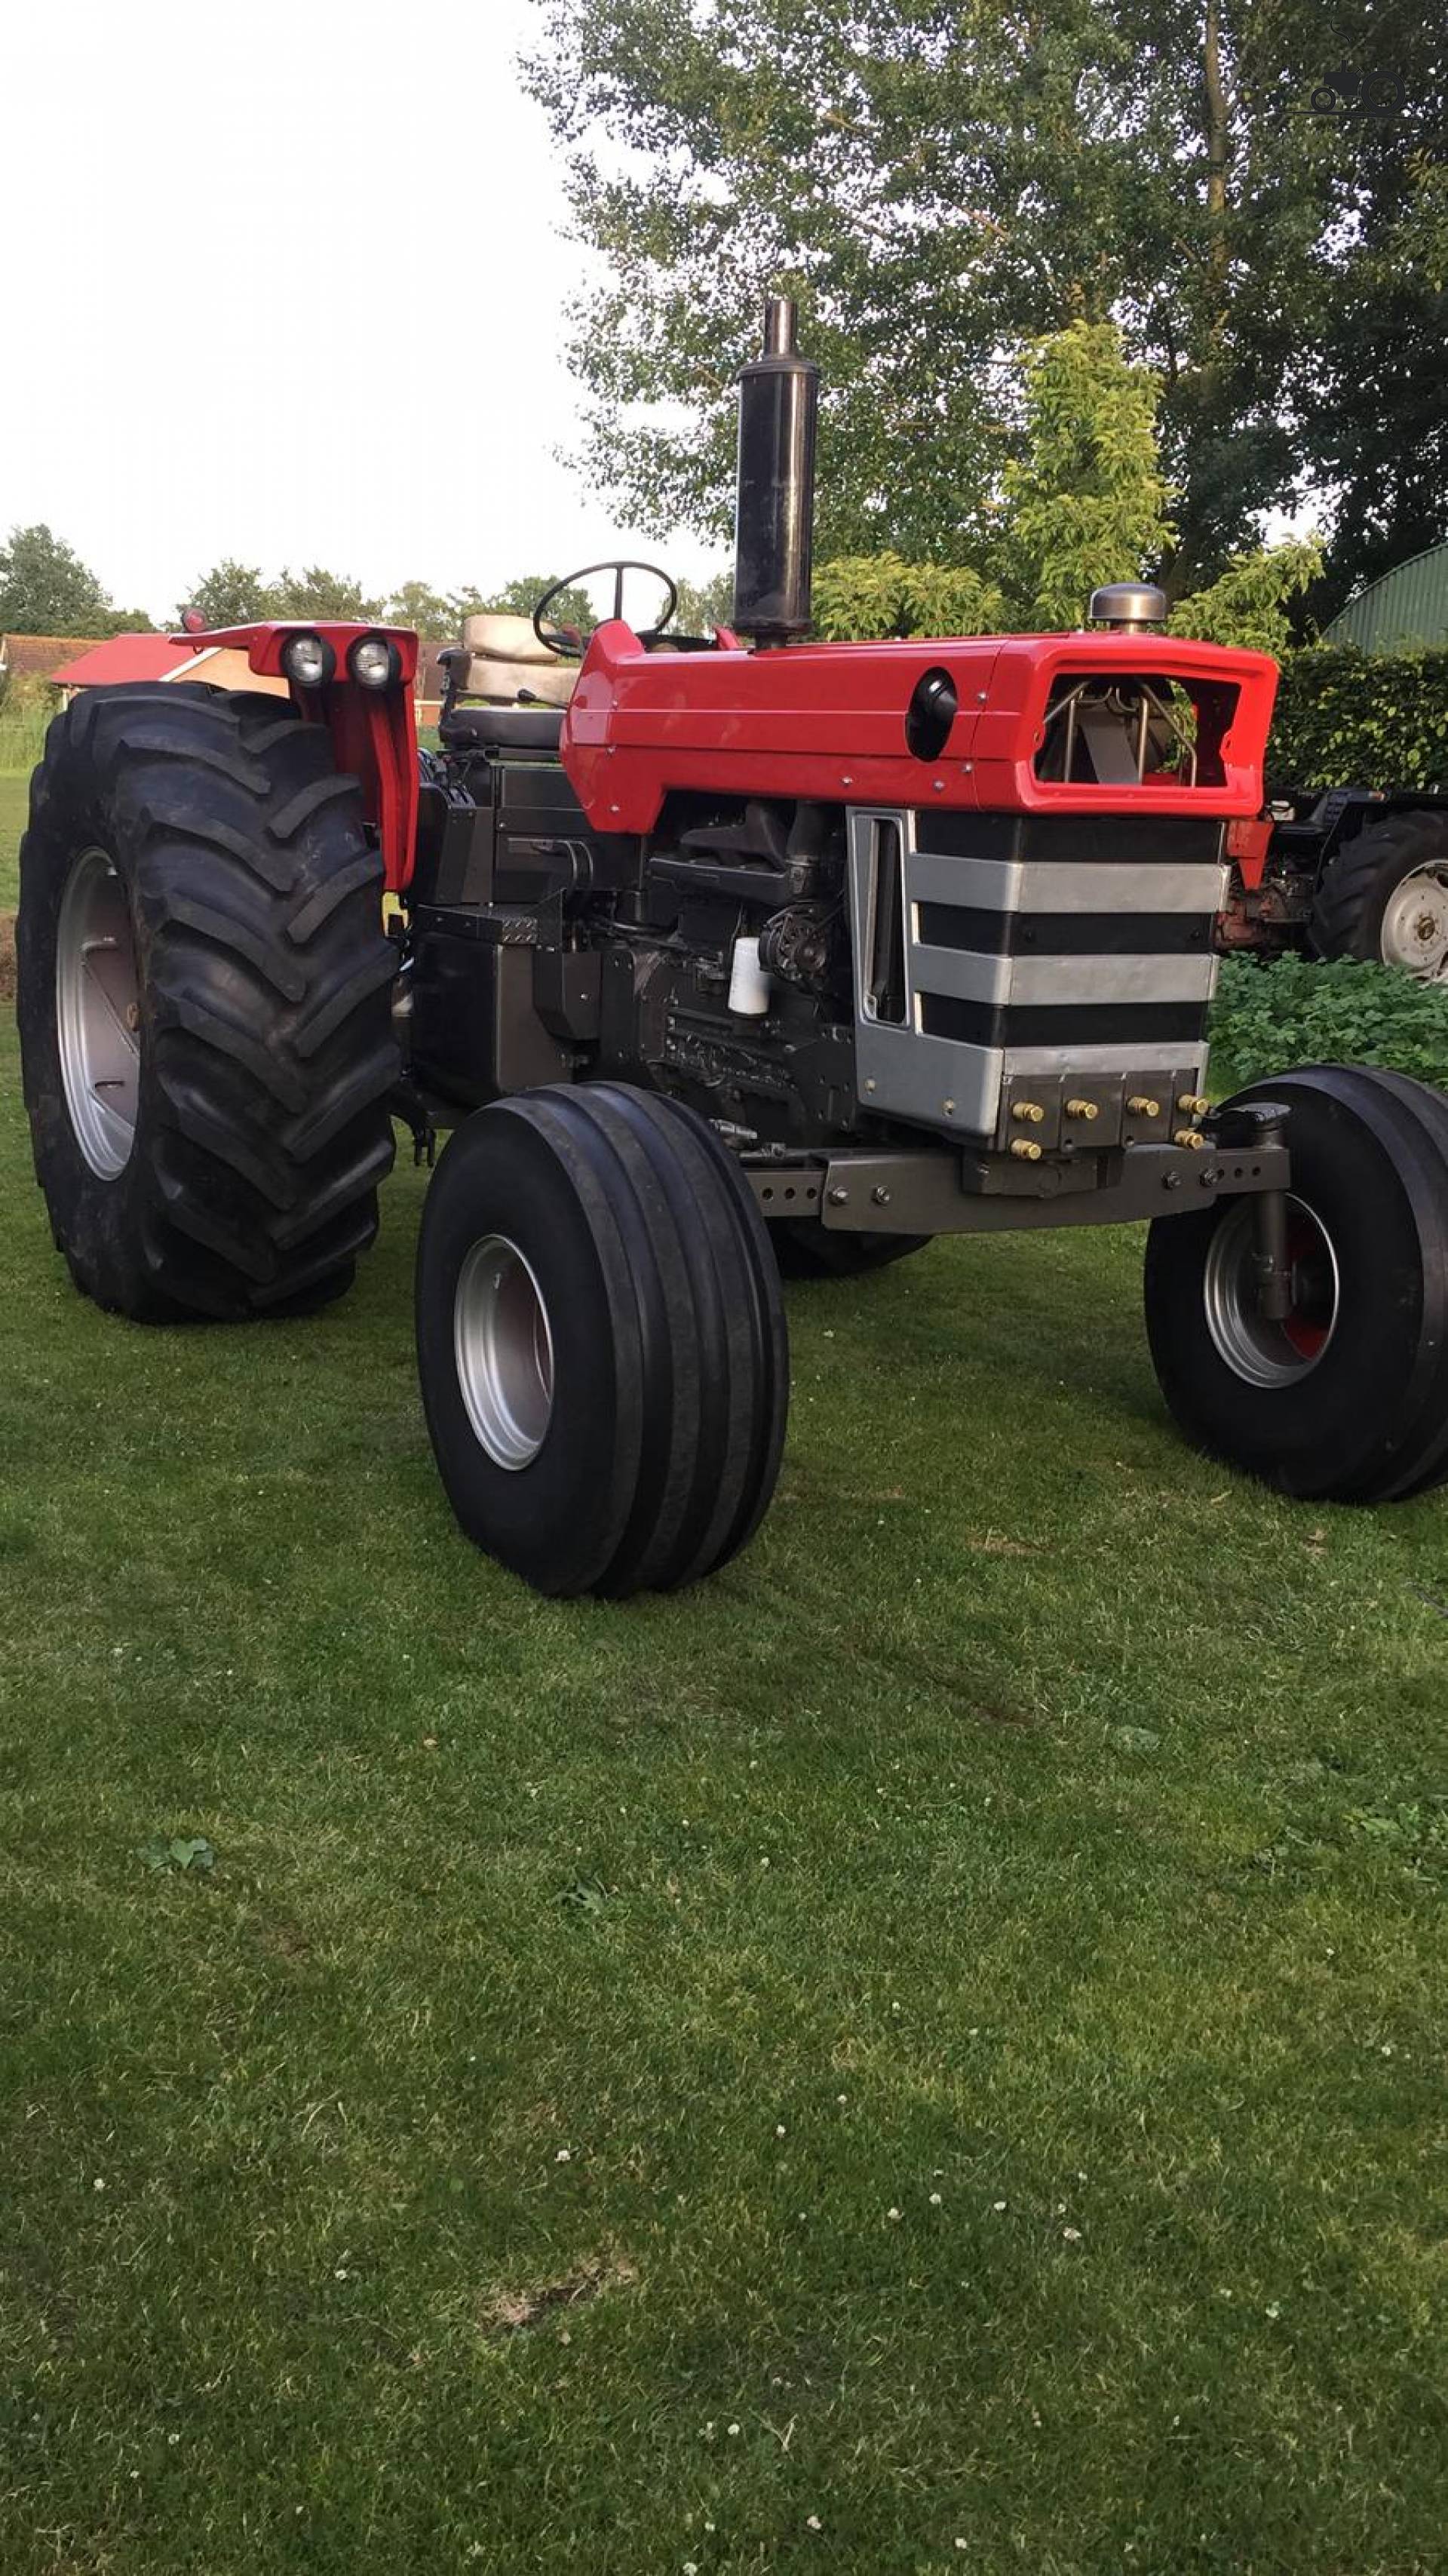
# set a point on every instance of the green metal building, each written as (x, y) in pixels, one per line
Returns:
(1408, 605)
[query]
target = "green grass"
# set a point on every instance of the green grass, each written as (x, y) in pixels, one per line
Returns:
(494, 2163)
(14, 806)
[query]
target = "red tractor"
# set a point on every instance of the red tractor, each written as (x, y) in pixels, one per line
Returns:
(717, 958)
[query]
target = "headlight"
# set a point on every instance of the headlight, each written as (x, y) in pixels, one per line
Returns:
(309, 660)
(374, 662)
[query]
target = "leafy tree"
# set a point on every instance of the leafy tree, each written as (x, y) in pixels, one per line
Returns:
(232, 594)
(416, 604)
(940, 183)
(705, 604)
(45, 589)
(859, 596)
(520, 598)
(1087, 500)
(316, 593)
(1247, 604)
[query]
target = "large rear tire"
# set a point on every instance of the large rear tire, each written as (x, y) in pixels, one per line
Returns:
(600, 1340)
(203, 1000)
(1385, 897)
(805, 1249)
(1347, 1400)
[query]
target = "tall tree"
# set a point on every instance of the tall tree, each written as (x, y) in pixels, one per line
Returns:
(45, 589)
(232, 594)
(941, 181)
(318, 593)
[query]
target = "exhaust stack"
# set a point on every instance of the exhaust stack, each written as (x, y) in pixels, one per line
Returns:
(774, 508)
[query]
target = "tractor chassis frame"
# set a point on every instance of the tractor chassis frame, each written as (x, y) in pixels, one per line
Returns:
(861, 1190)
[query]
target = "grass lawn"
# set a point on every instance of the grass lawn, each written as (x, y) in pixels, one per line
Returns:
(925, 2054)
(14, 806)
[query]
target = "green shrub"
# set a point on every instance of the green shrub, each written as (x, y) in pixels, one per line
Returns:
(1350, 719)
(1298, 1011)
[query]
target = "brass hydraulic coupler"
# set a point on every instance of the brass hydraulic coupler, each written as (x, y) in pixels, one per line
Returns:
(1192, 1138)
(1087, 1109)
(1029, 1113)
(1138, 1106)
(1025, 1149)
(1192, 1105)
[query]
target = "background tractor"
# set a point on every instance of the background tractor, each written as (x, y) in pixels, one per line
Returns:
(712, 952)
(1344, 872)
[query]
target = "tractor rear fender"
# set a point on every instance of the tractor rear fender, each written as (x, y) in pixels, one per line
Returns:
(373, 730)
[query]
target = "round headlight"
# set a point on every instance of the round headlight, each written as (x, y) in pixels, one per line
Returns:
(374, 662)
(309, 660)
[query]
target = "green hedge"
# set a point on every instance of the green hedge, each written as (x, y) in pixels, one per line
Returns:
(1349, 719)
(1296, 1011)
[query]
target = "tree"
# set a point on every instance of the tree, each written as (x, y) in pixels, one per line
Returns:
(1087, 500)
(45, 589)
(1247, 604)
(940, 183)
(316, 593)
(416, 604)
(232, 594)
(520, 598)
(705, 604)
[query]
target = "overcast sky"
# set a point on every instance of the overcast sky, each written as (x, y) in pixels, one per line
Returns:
(289, 286)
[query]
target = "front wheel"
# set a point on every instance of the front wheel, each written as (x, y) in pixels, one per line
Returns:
(600, 1340)
(1346, 1400)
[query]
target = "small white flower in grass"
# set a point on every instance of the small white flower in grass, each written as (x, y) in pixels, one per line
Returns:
(1274, 2310)
(1072, 2235)
(842, 2099)
(1060, 2209)
(812, 2522)
(173, 2439)
(99, 2184)
(733, 2429)
(935, 2200)
(564, 2156)
(341, 2273)
(892, 2213)
(997, 2205)
(779, 2128)
(691, 2567)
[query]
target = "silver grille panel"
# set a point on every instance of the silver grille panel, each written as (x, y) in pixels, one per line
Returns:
(966, 1018)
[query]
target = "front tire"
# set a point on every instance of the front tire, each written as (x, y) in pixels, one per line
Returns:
(600, 1340)
(1385, 897)
(1347, 1401)
(203, 999)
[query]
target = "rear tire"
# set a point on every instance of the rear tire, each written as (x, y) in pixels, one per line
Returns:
(1348, 1401)
(806, 1249)
(204, 1006)
(1385, 897)
(600, 1340)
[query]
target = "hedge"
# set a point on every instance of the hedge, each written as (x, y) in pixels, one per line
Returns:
(1349, 719)
(1268, 1018)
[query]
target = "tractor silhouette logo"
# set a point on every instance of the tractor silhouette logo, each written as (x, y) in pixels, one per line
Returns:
(1345, 95)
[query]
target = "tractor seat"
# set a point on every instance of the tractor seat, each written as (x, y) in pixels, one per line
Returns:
(491, 728)
(499, 662)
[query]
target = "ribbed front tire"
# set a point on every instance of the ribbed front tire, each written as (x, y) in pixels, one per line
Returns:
(203, 996)
(600, 1340)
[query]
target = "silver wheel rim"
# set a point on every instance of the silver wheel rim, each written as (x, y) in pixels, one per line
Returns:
(1256, 1347)
(503, 1346)
(1415, 924)
(98, 1014)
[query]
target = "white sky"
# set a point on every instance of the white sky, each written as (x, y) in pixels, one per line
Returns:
(292, 291)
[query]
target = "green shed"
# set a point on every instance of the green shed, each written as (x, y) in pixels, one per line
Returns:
(1408, 605)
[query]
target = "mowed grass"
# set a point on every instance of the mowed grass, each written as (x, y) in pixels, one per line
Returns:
(925, 2053)
(14, 807)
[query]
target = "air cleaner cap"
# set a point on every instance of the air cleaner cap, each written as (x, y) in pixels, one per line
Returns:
(1129, 606)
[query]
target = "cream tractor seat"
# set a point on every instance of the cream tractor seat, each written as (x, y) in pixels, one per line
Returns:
(501, 660)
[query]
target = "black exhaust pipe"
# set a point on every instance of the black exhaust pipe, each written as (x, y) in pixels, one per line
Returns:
(774, 508)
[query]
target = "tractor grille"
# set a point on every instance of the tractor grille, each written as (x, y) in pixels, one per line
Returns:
(1060, 951)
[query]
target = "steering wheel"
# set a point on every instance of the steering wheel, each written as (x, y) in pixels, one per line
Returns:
(566, 641)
